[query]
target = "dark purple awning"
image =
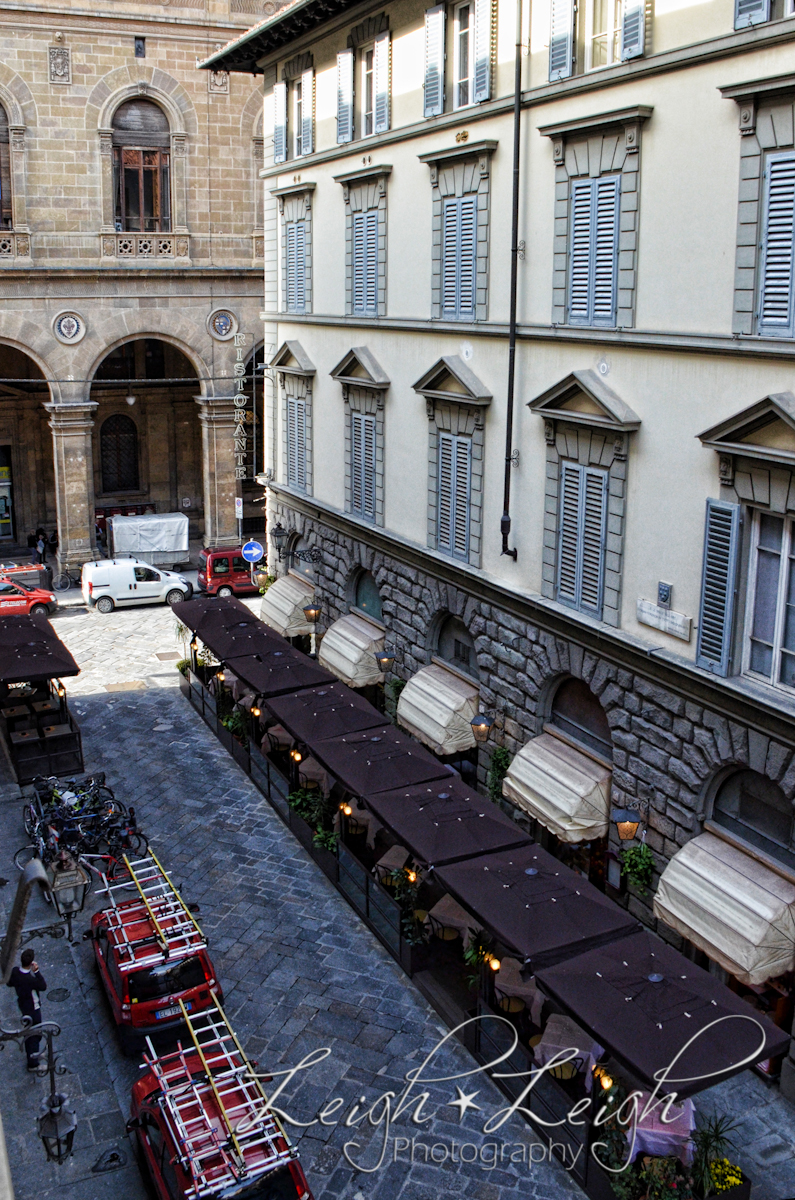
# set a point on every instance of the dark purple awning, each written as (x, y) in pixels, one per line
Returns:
(324, 712)
(445, 821)
(206, 612)
(274, 671)
(646, 1023)
(547, 915)
(378, 759)
(237, 639)
(30, 649)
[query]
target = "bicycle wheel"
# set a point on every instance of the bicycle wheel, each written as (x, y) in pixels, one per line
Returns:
(62, 582)
(31, 819)
(25, 855)
(136, 843)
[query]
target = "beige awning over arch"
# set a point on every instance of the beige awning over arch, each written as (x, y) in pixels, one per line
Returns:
(348, 650)
(568, 792)
(283, 604)
(437, 706)
(734, 908)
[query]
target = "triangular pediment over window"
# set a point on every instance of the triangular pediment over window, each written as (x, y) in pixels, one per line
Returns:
(451, 379)
(292, 359)
(360, 367)
(765, 430)
(584, 399)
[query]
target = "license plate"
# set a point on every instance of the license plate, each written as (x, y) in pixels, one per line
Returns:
(170, 1012)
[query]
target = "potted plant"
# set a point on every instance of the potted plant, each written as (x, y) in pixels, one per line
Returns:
(637, 866)
(498, 768)
(713, 1173)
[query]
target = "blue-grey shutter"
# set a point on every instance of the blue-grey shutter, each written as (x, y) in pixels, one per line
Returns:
(593, 256)
(368, 468)
(434, 61)
(296, 442)
(750, 12)
(364, 281)
(776, 299)
(461, 479)
(483, 26)
(357, 461)
(718, 586)
(561, 39)
(381, 81)
(358, 263)
(450, 258)
(633, 29)
(568, 536)
(459, 257)
(582, 521)
(445, 489)
(280, 122)
(580, 253)
(307, 112)
(296, 266)
(345, 65)
(291, 265)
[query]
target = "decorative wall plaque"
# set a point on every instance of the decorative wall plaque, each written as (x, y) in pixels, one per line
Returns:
(69, 328)
(218, 83)
(222, 325)
(60, 61)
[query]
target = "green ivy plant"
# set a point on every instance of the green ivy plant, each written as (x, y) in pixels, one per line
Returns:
(498, 768)
(478, 952)
(637, 865)
(269, 579)
(326, 839)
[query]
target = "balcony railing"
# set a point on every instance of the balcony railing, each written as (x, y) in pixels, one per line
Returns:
(14, 245)
(139, 246)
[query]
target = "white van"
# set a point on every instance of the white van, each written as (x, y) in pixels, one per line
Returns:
(114, 583)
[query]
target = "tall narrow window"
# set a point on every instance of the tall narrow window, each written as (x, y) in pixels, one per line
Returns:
(464, 57)
(776, 306)
(118, 453)
(363, 466)
(295, 253)
(365, 263)
(593, 260)
(582, 517)
(603, 33)
(298, 113)
(141, 168)
(368, 91)
(455, 469)
(6, 218)
(718, 584)
(459, 257)
(771, 640)
(296, 443)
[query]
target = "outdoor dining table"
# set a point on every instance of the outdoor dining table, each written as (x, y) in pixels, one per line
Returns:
(362, 818)
(16, 710)
(562, 1033)
(658, 1137)
(447, 915)
(395, 858)
(277, 738)
(24, 735)
(310, 772)
(509, 985)
(53, 731)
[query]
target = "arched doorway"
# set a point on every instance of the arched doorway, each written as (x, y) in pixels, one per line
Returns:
(147, 444)
(27, 478)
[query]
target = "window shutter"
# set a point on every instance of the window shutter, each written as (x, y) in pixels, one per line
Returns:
(296, 444)
(561, 39)
(718, 586)
(307, 112)
(445, 529)
(381, 81)
(434, 61)
(357, 462)
(291, 263)
(569, 517)
(467, 274)
(300, 266)
(345, 66)
(450, 257)
(580, 253)
(358, 280)
(368, 468)
(280, 122)
(750, 12)
(633, 29)
(483, 24)
(605, 251)
(371, 262)
(461, 506)
(776, 302)
(592, 540)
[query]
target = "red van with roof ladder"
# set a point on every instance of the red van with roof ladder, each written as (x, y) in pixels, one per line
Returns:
(203, 1123)
(151, 955)
(225, 573)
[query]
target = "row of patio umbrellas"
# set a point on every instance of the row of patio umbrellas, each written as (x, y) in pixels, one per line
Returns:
(641, 998)
(30, 650)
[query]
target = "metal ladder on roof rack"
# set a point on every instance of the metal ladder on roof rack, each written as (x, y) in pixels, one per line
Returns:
(218, 1151)
(175, 932)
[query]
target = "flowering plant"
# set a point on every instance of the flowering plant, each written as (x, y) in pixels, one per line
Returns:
(724, 1174)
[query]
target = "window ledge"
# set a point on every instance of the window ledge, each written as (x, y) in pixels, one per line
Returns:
(767, 860)
(465, 150)
(618, 117)
(458, 671)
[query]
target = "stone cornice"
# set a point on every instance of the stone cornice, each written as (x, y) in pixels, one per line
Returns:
(363, 173)
(598, 121)
(768, 711)
(464, 150)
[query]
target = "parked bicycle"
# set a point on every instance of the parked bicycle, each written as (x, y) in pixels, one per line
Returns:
(66, 579)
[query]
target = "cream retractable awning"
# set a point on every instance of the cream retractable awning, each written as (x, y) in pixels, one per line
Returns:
(437, 707)
(283, 606)
(348, 650)
(565, 790)
(735, 909)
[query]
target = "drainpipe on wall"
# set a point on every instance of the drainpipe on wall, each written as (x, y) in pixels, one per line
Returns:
(505, 522)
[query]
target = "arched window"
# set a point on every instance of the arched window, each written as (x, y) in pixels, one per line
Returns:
(118, 446)
(6, 220)
(141, 146)
(367, 596)
(757, 810)
(455, 645)
(578, 713)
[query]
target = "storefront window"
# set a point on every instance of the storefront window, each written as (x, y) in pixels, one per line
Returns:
(456, 646)
(753, 807)
(578, 714)
(367, 596)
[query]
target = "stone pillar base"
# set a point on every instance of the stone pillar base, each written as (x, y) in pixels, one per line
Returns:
(71, 422)
(217, 417)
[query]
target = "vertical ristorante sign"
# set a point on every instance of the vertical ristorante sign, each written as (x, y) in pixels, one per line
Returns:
(241, 406)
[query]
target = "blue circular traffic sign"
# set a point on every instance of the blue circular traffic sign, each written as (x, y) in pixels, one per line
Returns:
(252, 552)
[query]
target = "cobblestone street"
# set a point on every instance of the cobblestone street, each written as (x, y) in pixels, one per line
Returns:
(299, 970)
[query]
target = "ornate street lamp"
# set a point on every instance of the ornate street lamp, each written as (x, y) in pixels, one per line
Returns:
(385, 660)
(69, 885)
(56, 1125)
(280, 537)
(312, 612)
(481, 727)
(627, 820)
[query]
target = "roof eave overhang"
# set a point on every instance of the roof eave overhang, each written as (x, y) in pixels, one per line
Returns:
(249, 54)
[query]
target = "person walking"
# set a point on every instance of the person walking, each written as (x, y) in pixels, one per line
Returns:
(32, 540)
(27, 981)
(41, 549)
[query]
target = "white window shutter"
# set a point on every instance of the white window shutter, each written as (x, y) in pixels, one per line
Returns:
(605, 250)
(776, 300)
(592, 540)
(750, 12)
(580, 253)
(371, 261)
(280, 122)
(307, 112)
(561, 39)
(633, 29)
(445, 485)
(568, 538)
(345, 65)
(357, 462)
(434, 61)
(381, 81)
(718, 586)
(462, 468)
(483, 26)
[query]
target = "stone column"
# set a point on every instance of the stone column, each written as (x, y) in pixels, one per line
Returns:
(217, 416)
(71, 422)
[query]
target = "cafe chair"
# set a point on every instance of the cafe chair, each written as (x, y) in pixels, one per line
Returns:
(395, 858)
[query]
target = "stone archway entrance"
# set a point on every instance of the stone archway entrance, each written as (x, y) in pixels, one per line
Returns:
(27, 480)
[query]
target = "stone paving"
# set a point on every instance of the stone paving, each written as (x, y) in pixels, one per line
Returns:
(299, 970)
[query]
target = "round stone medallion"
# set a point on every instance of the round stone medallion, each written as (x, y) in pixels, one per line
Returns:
(69, 328)
(222, 324)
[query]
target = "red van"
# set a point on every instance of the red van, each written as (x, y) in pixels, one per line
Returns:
(151, 954)
(225, 573)
(203, 1123)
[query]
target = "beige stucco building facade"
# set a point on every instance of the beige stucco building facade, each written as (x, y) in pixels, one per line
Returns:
(131, 250)
(644, 619)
